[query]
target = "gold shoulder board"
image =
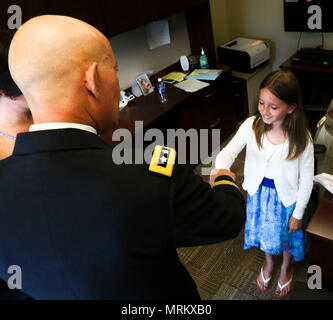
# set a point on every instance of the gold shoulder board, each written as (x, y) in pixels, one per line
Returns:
(163, 161)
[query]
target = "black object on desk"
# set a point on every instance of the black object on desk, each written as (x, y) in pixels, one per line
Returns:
(314, 56)
(316, 81)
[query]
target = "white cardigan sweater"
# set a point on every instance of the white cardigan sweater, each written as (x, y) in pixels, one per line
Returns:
(293, 179)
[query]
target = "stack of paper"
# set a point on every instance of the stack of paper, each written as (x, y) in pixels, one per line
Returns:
(176, 76)
(205, 74)
(191, 85)
(326, 180)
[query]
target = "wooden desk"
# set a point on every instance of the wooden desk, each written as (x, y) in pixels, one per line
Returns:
(320, 231)
(316, 81)
(209, 108)
(148, 109)
(305, 68)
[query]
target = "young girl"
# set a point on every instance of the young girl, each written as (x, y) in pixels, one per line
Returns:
(278, 175)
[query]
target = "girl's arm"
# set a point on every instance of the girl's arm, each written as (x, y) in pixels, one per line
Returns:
(227, 156)
(306, 173)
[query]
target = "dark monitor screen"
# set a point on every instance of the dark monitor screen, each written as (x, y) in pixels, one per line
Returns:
(308, 15)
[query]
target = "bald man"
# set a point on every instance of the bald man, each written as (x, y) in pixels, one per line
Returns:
(79, 226)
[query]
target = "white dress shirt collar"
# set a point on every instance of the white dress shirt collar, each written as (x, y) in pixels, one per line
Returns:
(61, 125)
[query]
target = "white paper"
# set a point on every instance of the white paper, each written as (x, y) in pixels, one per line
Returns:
(158, 34)
(326, 180)
(192, 85)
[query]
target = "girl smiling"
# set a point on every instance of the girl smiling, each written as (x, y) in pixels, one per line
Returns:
(278, 175)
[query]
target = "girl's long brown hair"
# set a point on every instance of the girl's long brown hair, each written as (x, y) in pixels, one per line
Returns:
(285, 86)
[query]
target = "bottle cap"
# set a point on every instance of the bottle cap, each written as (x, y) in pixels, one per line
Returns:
(202, 52)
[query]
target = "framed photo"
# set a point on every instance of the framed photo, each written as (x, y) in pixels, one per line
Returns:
(144, 84)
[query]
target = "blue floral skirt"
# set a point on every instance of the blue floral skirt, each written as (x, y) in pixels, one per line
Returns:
(267, 223)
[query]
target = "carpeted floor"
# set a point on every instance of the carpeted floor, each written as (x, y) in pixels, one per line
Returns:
(225, 271)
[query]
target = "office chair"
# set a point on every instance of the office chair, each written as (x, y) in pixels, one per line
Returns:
(313, 114)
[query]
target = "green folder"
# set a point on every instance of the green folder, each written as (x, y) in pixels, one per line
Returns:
(205, 74)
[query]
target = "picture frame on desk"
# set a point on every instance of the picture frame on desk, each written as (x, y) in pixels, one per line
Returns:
(144, 84)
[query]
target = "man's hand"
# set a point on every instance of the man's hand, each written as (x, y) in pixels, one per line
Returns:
(295, 224)
(220, 172)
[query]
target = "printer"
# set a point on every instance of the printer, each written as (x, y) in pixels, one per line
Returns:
(244, 55)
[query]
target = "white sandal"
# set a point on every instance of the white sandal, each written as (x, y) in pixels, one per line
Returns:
(281, 287)
(266, 281)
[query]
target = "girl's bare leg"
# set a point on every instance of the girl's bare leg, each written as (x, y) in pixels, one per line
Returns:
(267, 269)
(285, 275)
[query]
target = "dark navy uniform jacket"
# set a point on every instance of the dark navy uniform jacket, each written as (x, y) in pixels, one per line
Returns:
(82, 227)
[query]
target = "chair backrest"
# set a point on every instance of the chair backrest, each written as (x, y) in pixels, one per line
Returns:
(313, 114)
(324, 137)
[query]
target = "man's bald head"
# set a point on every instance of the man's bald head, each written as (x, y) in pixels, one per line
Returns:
(49, 59)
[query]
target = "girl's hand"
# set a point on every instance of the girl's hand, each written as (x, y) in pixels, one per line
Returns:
(220, 172)
(295, 224)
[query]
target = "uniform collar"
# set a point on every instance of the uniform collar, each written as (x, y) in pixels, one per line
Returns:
(56, 140)
(61, 125)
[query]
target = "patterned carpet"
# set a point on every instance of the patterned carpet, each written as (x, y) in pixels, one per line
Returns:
(225, 271)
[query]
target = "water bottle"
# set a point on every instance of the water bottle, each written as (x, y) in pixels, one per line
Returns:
(162, 91)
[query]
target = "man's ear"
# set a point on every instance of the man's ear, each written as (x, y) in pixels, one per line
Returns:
(292, 108)
(91, 79)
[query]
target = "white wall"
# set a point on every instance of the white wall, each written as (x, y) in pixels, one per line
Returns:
(259, 19)
(263, 19)
(133, 55)
(220, 21)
